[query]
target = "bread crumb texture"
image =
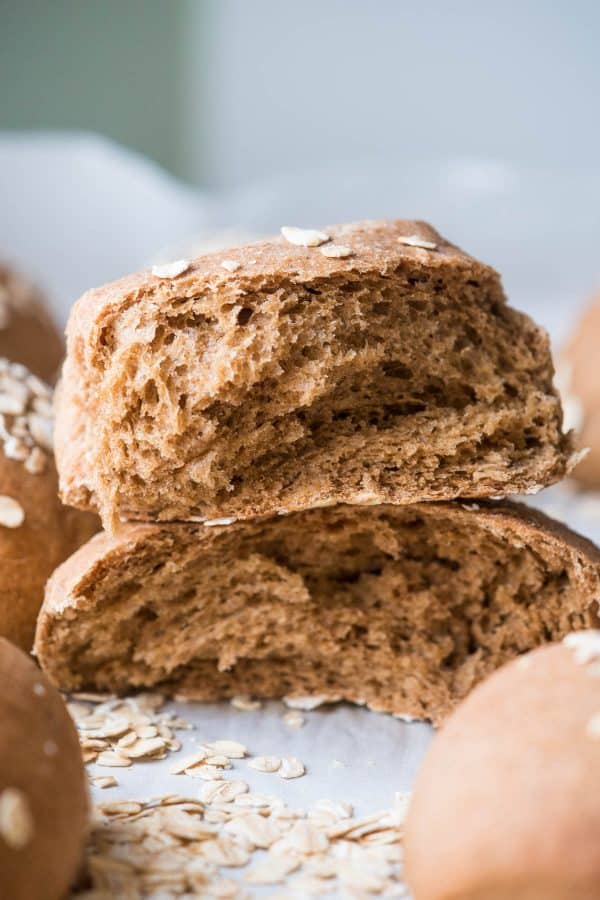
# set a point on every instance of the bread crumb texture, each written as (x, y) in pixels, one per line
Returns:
(368, 363)
(403, 608)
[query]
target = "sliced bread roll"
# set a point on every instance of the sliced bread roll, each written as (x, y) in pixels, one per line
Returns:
(403, 608)
(381, 366)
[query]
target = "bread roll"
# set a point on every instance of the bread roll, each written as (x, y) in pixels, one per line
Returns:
(403, 608)
(579, 363)
(43, 793)
(36, 531)
(381, 366)
(28, 334)
(506, 804)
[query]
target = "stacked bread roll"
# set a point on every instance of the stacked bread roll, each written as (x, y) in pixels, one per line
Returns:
(295, 448)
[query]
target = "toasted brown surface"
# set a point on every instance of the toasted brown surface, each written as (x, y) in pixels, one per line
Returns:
(403, 608)
(48, 531)
(28, 333)
(290, 379)
(43, 793)
(506, 804)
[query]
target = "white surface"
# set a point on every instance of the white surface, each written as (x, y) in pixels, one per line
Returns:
(350, 754)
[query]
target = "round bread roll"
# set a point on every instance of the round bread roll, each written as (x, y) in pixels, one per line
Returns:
(43, 794)
(578, 370)
(36, 532)
(28, 333)
(506, 805)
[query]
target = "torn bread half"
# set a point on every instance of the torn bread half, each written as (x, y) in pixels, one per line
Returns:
(402, 608)
(291, 373)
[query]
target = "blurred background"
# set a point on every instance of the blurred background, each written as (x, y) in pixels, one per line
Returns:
(132, 130)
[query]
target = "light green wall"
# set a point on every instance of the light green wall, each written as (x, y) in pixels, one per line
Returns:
(112, 66)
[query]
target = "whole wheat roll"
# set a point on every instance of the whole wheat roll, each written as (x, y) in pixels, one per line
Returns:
(506, 804)
(43, 788)
(28, 333)
(36, 531)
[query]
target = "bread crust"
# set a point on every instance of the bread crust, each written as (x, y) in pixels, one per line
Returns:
(505, 804)
(278, 383)
(48, 532)
(269, 604)
(28, 333)
(43, 788)
(578, 363)
(29, 554)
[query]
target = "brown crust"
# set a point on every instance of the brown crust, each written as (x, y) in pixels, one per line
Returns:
(505, 801)
(31, 552)
(578, 362)
(511, 516)
(71, 589)
(375, 248)
(40, 759)
(28, 333)
(49, 533)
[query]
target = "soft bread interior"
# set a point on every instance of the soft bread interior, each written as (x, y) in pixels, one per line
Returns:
(402, 608)
(410, 385)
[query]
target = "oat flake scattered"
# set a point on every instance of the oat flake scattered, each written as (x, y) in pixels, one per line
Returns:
(112, 760)
(186, 846)
(232, 749)
(304, 237)
(265, 763)
(592, 728)
(188, 762)
(16, 820)
(26, 420)
(103, 781)
(291, 768)
(245, 704)
(272, 870)
(172, 846)
(309, 701)
(336, 251)
(12, 514)
(294, 718)
(230, 264)
(413, 240)
(225, 791)
(131, 727)
(172, 269)
(585, 645)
